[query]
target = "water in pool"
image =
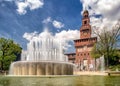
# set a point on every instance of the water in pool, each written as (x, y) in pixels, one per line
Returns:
(60, 81)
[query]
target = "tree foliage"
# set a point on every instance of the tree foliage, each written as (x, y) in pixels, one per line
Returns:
(107, 44)
(95, 54)
(9, 51)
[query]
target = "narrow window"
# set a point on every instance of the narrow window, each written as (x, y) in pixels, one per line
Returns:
(85, 22)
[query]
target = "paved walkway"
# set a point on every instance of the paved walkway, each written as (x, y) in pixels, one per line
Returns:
(90, 73)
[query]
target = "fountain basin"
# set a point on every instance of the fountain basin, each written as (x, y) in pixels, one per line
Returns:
(41, 68)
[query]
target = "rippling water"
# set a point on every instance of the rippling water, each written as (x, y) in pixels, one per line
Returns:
(60, 81)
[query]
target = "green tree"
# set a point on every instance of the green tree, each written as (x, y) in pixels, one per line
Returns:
(94, 53)
(108, 42)
(9, 51)
(114, 58)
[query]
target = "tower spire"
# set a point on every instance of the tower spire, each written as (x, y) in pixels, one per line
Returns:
(85, 30)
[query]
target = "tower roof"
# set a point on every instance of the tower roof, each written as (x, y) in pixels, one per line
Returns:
(86, 11)
(85, 14)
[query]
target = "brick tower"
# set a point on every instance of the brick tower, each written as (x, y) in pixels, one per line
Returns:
(85, 44)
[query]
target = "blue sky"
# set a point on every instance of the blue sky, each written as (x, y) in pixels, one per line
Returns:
(13, 24)
(61, 17)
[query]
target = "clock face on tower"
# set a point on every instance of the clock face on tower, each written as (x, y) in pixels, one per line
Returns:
(85, 33)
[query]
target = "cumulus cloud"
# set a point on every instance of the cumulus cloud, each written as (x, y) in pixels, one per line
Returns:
(31, 4)
(22, 7)
(55, 23)
(67, 36)
(47, 20)
(58, 24)
(102, 12)
(29, 36)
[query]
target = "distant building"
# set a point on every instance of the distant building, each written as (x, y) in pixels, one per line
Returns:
(85, 44)
(71, 57)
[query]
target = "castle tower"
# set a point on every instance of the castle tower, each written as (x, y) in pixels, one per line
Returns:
(85, 30)
(85, 44)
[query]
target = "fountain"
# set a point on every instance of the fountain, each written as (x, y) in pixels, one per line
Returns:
(44, 56)
(102, 64)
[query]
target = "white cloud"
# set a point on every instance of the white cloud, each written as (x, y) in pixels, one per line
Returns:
(47, 20)
(57, 24)
(67, 36)
(31, 4)
(108, 9)
(22, 7)
(29, 36)
(34, 4)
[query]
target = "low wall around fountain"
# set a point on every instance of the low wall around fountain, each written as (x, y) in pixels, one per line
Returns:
(41, 68)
